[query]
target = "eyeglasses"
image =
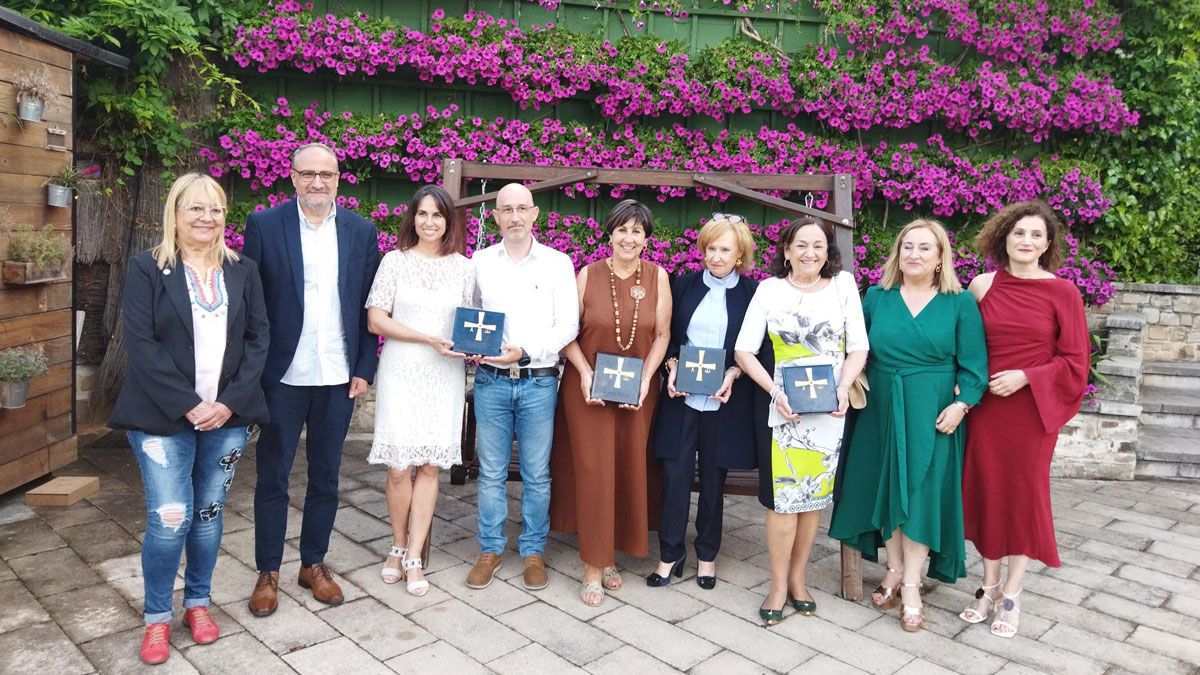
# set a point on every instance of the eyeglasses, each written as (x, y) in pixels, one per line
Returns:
(519, 210)
(733, 218)
(310, 176)
(198, 211)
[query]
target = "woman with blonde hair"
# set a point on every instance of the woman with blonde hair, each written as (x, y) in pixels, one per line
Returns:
(196, 332)
(902, 486)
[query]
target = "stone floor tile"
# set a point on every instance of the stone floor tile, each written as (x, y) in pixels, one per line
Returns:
(1149, 558)
(1123, 655)
(345, 555)
(1031, 653)
(532, 658)
(742, 573)
(41, 648)
(1178, 515)
(134, 591)
(1086, 517)
(628, 660)
(437, 657)
(1166, 536)
(340, 655)
(1184, 648)
(96, 542)
(181, 635)
(668, 604)
(1060, 588)
(232, 580)
(932, 647)
(1184, 605)
(747, 639)
(728, 663)
(1182, 554)
(359, 526)
(561, 633)
(1079, 616)
(656, 637)
(394, 595)
(1011, 668)
(562, 592)
(26, 537)
(62, 517)
(240, 545)
(289, 573)
(1157, 579)
(91, 612)
(1127, 539)
(822, 664)
(499, 597)
(291, 627)
(18, 607)
(1114, 585)
(1126, 515)
(13, 509)
(943, 606)
(53, 571)
(466, 628)
(847, 646)
(118, 653)
(1138, 613)
(123, 567)
(6, 573)
(1073, 557)
(380, 630)
(923, 667)
(733, 546)
(232, 654)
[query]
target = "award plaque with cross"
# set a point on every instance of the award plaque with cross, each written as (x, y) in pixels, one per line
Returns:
(700, 371)
(810, 389)
(617, 379)
(477, 331)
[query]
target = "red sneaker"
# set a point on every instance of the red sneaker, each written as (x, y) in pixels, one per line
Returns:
(204, 629)
(156, 646)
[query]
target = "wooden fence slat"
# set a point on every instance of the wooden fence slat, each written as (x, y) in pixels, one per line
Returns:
(37, 50)
(22, 300)
(32, 161)
(21, 470)
(35, 328)
(58, 377)
(31, 439)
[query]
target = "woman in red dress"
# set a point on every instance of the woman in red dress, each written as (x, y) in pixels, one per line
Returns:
(1039, 355)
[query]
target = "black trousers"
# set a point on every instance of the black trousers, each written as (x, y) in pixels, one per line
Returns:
(695, 434)
(326, 411)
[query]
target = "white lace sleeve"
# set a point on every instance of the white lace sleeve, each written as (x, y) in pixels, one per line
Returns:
(383, 291)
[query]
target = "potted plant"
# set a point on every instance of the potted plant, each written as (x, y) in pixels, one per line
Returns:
(61, 185)
(17, 367)
(33, 90)
(35, 256)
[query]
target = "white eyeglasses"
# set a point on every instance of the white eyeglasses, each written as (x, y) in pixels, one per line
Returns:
(198, 211)
(520, 210)
(733, 218)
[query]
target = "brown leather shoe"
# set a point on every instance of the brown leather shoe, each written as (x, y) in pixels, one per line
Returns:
(265, 598)
(320, 580)
(484, 571)
(535, 577)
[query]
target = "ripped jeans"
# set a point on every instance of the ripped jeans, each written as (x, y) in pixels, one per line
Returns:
(186, 476)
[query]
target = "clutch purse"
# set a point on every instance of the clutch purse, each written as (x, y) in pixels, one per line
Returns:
(617, 379)
(810, 389)
(700, 371)
(477, 331)
(858, 391)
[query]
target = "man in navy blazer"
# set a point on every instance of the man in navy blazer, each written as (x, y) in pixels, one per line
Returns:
(317, 264)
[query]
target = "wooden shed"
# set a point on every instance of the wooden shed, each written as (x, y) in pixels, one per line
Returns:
(39, 437)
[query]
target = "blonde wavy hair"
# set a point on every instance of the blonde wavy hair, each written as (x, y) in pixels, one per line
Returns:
(741, 233)
(185, 191)
(943, 278)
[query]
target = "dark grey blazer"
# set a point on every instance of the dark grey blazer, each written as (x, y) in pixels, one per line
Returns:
(160, 385)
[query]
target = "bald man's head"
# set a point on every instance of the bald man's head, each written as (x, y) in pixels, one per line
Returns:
(515, 213)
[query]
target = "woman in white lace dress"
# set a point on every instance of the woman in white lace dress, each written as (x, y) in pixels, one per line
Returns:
(421, 382)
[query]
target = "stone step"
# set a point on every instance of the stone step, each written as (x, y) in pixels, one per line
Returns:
(1174, 408)
(1169, 445)
(1171, 375)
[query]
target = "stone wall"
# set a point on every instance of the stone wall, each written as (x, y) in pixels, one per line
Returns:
(1172, 313)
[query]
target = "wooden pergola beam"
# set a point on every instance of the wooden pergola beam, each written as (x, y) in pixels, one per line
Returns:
(541, 186)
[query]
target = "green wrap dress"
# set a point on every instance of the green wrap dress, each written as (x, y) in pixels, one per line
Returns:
(900, 471)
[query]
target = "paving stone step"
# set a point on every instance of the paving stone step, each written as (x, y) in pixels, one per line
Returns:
(1170, 408)
(1171, 375)
(1162, 444)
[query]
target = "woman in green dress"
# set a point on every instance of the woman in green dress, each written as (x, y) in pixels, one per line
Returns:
(902, 486)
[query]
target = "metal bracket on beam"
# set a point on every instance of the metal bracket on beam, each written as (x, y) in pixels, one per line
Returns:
(768, 200)
(586, 176)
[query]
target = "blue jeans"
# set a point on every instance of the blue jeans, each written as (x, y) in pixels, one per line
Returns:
(186, 476)
(502, 406)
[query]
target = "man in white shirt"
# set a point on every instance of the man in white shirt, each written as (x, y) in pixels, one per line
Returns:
(317, 264)
(534, 286)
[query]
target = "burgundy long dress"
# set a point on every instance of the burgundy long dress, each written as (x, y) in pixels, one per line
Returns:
(1038, 326)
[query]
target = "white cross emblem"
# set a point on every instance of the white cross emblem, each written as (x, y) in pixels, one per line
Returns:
(479, 327)
(812, 384)
(619, 374)
(700, 366)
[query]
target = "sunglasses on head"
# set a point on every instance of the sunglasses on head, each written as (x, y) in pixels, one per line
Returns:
(733, 218)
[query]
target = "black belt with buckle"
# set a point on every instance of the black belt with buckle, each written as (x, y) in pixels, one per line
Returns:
(520, 373)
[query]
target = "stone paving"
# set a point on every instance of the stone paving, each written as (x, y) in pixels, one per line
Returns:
(1126, 600)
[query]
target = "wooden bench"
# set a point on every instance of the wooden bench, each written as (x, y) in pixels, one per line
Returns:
(738, 482)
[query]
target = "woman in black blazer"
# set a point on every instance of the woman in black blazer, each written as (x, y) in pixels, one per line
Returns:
(709, 306)
(196, 333)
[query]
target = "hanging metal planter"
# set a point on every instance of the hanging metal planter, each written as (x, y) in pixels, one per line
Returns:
(58, 195)
(13, 394)
(31, 109)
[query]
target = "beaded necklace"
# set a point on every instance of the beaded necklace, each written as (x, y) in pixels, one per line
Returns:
(637, 292)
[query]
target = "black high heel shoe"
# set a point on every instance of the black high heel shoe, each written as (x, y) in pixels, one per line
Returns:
(654, 579)
(706, 582)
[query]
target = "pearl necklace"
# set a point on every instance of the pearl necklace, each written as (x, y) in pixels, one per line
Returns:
(637, 302)
(803, 287)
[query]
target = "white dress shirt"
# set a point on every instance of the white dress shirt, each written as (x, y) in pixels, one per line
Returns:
(537, 295)
(210, 319)
(320, 357)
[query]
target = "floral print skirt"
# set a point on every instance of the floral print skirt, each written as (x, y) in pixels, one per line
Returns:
(804, 457)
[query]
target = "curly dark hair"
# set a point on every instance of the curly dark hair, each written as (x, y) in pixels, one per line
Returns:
(993, 236)
(455, 236)
(626, 210)
(833, 264)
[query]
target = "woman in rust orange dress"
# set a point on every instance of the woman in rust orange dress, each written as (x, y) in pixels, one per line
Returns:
(605, 482)
(1039, 355)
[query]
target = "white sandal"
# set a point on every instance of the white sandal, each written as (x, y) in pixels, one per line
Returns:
(972, 615)
(420, 587)
(1006, 627)
(392, 575)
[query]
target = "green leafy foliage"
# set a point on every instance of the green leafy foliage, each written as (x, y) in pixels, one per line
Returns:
(42, 247)
(21, 364)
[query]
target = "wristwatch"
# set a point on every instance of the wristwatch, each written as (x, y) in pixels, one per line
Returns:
(524, 361)
(966, 407)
